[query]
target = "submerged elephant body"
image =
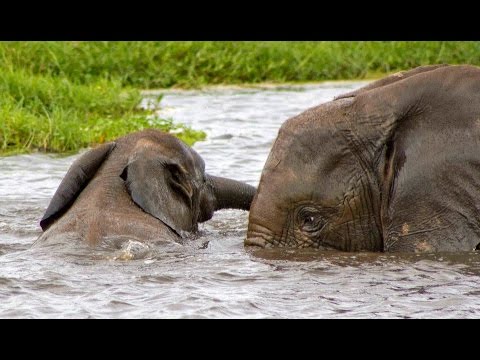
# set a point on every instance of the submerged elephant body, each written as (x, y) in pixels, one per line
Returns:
(393, 166)
(146, 186)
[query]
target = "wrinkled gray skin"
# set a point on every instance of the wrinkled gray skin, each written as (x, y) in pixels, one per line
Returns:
(393, 166)
(144, 186)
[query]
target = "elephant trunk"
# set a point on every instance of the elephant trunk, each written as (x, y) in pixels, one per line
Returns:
(231, 194)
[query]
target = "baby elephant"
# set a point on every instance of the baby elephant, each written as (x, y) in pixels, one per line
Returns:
(144, 186)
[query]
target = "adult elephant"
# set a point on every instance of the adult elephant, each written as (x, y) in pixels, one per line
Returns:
(144, 186)
(393, 166)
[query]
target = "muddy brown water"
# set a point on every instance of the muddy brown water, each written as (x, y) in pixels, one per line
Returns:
(213, 275)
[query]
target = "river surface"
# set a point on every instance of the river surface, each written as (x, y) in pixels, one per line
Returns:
(213, 275)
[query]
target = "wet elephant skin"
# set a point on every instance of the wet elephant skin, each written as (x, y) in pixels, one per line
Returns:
(393, 166)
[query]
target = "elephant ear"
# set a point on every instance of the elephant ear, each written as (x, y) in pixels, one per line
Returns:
(162, 188)
(76, 179)
(422, 133)
(384, 106)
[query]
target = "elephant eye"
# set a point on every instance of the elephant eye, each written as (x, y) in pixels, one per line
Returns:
(310, 220)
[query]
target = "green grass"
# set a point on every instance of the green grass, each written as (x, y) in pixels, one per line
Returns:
(192, 64)
(52, 114)
(63, 96)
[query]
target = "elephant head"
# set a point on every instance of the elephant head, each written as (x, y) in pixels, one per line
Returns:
(393, 166)
(157, 172)
(167, 179)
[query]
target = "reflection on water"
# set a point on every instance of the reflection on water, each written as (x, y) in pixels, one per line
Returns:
(211, 274)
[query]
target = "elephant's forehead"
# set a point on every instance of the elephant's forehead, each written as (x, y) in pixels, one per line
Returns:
(311, 156)
(173, 149)
(314, 131)
(306, 147)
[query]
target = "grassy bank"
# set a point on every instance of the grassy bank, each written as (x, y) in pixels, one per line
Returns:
(191, 64)
(63, 96)
(53, 114)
